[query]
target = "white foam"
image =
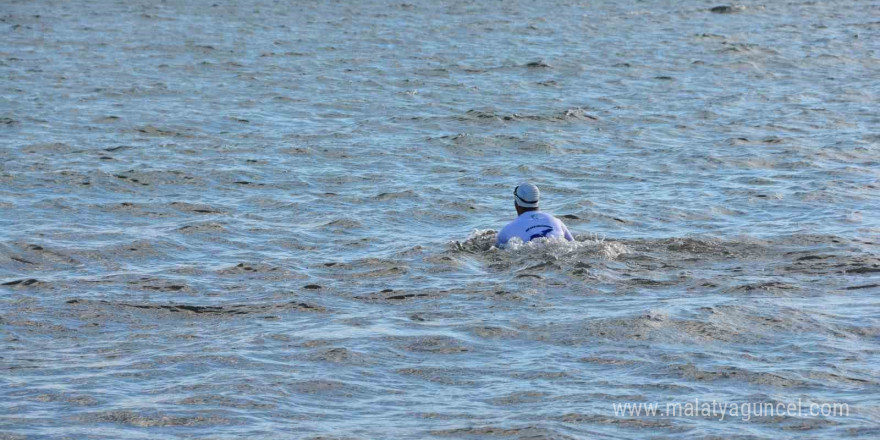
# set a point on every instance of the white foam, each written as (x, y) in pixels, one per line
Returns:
(593, 243)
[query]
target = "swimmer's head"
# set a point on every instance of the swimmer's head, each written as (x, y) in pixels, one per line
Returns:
(526, 197)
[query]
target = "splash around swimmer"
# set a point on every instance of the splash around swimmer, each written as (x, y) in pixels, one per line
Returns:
(531, 223)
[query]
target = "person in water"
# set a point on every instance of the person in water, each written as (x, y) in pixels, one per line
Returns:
(531, 223)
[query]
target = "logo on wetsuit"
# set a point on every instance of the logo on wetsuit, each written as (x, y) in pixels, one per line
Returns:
(547, 229)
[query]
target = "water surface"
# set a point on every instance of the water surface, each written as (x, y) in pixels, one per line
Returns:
(274, 219)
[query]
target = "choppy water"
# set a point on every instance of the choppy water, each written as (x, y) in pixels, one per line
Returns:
(274, 219)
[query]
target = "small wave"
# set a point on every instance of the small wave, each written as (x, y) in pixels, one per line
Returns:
(144, 420)
(385, 196)
(480, 240)
(344, 224)
(207, 310)
(727, 9)
(570, 114)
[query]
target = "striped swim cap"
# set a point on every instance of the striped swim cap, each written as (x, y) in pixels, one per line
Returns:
(526, 195)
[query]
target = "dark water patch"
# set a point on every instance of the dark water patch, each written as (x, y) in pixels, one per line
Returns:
(492, 332)
(145, 178)
(843, 379)
(745, 49)
(524, 432)
(602, 329)
(454, 376)
(434, 345)
(23, 282)
(370, 268)
(202, 228)
(623, 422)
(766, 286)
(167, 132)
(386, 196)
(153, 419)
(226, 402)
(339, 355)
(713, 325)
(21, 260)
(344, 224)
(727, 9)
(34, 257)
(538, 64)
(51, 396)
(164, 288)
(106, 120)
(405, 296)
(609, 361)
(572, 114)
(41, 327)
(734, 374)
(197, 208)
(392, 295)
(863, 269)
(47, 148)
(814, 257)
(228, 310)
(253, 268)
(331, 388)
(296, 151)
(130, 179)
(520, 398)
(695, 246)
(854, 264)
(654, 283)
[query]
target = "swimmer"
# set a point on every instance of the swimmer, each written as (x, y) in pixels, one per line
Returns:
(531, 223)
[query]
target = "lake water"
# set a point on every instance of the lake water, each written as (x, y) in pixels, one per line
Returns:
(268, 219)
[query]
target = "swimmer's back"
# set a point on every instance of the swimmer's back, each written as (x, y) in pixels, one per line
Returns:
(531, 225)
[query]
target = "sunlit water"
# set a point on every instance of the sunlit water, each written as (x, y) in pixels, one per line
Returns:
(275, 219)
